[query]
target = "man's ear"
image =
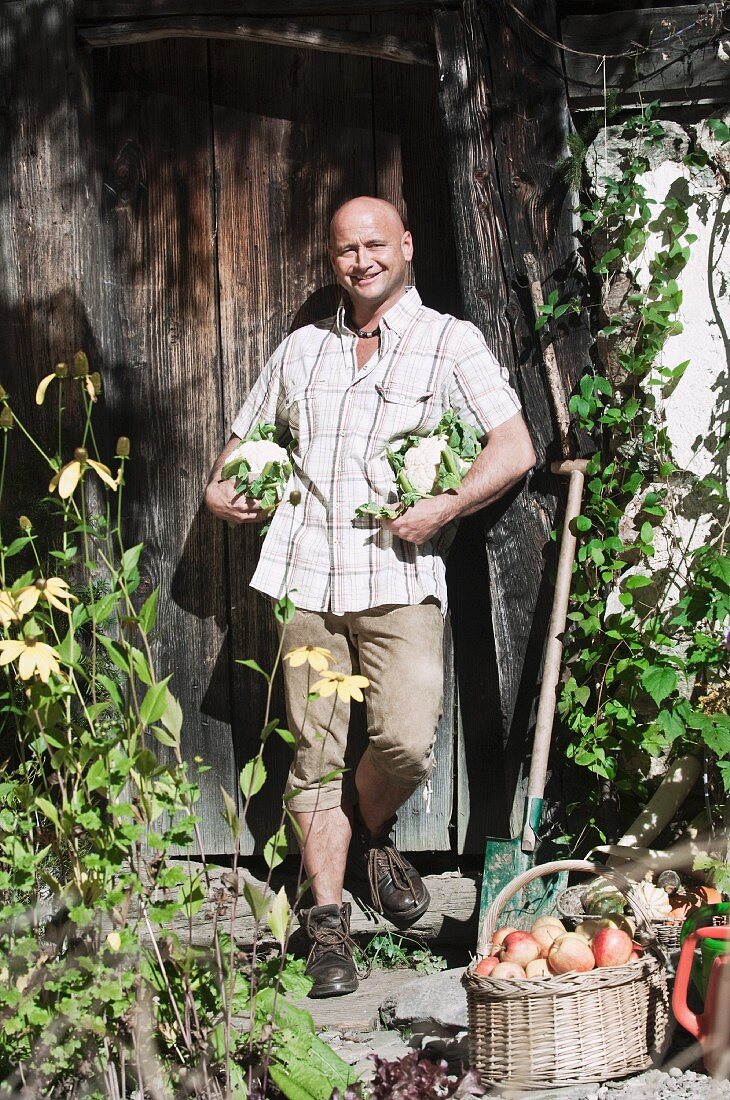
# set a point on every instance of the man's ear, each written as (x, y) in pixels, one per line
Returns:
(407, 245)
(331, 257)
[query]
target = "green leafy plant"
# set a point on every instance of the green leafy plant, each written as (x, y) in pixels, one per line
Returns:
(553, 309)
(642, 650)
(392, 951)
(103, 992)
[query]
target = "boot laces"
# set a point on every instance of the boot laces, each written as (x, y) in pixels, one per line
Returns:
(336, 938)
(386, 859)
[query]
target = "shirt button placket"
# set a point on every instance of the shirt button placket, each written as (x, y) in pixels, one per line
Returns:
(338, 571)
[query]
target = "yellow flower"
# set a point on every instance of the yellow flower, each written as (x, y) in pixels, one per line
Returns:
(318, 658)
(9, 610)
(347, 687)
(61, 371)
(54, 590)
(68, 477)
(32, 656)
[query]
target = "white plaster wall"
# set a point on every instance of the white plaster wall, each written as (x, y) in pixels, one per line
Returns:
(696, 413)
(693, 413)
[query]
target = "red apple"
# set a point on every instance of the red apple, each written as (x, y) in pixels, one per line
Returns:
(612, 947)
(498, 939)
(546, 935)
(520, 948)
(570, 952)
(485, 966)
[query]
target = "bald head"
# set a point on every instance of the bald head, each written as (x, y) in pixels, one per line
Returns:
(365, 206)
(369, 250)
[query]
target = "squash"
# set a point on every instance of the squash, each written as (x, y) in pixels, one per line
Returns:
(654, 899)
(691, 896)
(602, 899)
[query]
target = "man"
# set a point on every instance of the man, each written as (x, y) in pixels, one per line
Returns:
(370, 593)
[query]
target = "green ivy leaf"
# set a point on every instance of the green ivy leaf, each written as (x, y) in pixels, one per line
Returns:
(659, 681)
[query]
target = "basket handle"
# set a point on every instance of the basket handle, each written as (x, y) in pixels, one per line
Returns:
(489, 924)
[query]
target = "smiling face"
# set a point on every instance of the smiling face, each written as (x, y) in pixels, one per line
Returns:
(369, 251)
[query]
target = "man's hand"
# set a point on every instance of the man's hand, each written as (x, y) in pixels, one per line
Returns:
(222, 499)
(421, 522)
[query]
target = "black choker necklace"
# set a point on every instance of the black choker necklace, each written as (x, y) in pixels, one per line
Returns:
(362, 333)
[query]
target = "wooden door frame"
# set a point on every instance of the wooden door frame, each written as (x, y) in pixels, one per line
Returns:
(487, 268)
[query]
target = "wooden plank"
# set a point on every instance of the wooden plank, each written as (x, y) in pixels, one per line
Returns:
(526, 84)
(91, 10)
(480, 232)
(287, 152)
(499, 183)
(48, 280)
(451, 918)
(673, 55)
(411, 173)
(297, 35)
(159, 331)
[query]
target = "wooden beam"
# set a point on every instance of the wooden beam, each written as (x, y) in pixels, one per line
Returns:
(451, 917)
(672, 54)
(275, 32)
(505, 118)
(89, 11)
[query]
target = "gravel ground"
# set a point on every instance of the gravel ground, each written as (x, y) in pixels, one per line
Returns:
(667, 1084)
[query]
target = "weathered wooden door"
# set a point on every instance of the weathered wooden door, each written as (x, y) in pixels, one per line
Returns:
(219, 165)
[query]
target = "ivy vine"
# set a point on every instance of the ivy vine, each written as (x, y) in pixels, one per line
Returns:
(646, 650)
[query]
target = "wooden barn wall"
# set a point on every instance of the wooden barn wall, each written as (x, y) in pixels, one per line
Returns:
(165, 207)
(505, 116)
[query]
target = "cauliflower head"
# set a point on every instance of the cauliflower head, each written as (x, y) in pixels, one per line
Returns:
(258, 453)
(421, 463)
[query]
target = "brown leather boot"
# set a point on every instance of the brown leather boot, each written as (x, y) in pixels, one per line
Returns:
(330, 965)
(396, 888)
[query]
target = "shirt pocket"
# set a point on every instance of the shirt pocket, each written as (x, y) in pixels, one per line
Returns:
(405, 411)
(292, 403)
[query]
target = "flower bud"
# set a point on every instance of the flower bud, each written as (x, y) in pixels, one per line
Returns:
(3, 393)
(6, 418)
(24, 523)
(81, 365)
(95, 380)
(123, 447)
(61, 370)
(295, 497)
(81, 454)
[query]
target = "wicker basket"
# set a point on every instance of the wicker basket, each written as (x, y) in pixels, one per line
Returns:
(570, 1029)
(570, 906)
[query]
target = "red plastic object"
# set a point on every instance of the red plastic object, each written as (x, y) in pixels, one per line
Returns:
(711, 1027)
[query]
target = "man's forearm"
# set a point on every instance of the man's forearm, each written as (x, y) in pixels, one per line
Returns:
(502, 463)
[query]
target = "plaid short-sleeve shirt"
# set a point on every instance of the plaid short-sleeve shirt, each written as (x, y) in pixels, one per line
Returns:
(342, 420)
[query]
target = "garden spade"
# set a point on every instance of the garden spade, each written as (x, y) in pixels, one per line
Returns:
(504, 859)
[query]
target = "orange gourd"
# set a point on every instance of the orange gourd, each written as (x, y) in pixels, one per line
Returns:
(688, 898)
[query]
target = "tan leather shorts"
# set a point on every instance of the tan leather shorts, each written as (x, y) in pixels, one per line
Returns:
(400, 650)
